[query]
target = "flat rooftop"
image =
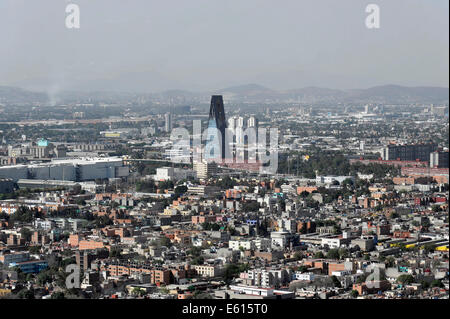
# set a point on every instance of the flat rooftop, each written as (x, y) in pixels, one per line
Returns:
(69, 161)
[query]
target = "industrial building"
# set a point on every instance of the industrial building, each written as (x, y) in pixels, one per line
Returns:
(413, 152)
(80, 169)
(52, 184)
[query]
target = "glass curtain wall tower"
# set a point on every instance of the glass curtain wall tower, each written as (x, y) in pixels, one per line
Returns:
(215, 142)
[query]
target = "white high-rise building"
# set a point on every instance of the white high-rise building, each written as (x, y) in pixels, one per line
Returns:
(231, 123)
(252, 122)
(366, 109)
(434, 159)
(240, 122)
(240, 131)
(240, 136)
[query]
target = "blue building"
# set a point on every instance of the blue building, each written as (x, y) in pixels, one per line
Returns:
(31, 267)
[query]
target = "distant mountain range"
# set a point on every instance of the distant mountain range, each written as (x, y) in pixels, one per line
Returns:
(17, 95)
(386, 93)
(253, 93)
(395, 94)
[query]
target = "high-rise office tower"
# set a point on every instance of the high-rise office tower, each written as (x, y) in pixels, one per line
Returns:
(239, 150)
(231, 123)
(168, 125)
(240, 122)
(366, 109)
(240, 131)
(216, 124)
(253, 122)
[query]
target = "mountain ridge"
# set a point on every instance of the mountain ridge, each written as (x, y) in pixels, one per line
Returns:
(389, 93)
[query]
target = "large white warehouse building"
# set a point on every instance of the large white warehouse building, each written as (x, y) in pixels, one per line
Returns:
(77, 170)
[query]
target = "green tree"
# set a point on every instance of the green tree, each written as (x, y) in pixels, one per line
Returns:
(232, 270)
(405, 279)
(198, 260)
(343, 253)
(180, 190)
(81, 202)
(302, 269)
(336, 282)
(319, 255)
(58, 295)
(164, 241)
(437, 283)
(23, 214)
(34, 249)
(425, 284)
(333, 254)
(146, 186)
(194, 251)
(298, 255)
(390, 261)
(44, 277)
(136, 291)
(26, 294)
(115, 252)
(251, 206)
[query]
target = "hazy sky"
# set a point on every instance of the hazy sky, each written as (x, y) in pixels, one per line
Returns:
(149, 45)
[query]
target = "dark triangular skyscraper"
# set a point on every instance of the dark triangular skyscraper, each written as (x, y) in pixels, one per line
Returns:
(217, 121)
(217, 112)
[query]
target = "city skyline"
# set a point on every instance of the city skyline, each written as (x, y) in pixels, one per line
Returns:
(246, 153)
(295, 45)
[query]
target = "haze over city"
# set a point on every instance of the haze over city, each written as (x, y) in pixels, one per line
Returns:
(200, 45)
